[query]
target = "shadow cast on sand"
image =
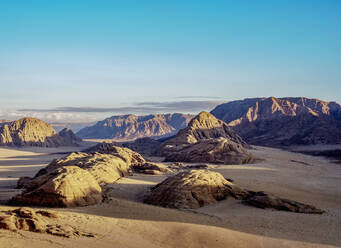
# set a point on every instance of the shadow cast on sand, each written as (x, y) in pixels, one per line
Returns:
(246, 219)
(258, 224)
(241, 218)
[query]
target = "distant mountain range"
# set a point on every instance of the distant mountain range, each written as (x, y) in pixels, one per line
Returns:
(131, 127)
(260, 121)
(283, 121)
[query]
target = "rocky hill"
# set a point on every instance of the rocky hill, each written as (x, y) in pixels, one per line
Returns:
(69, 136)
(283, 121)
(32, 132)
(206, 139)
(205, 126)
(130, 127)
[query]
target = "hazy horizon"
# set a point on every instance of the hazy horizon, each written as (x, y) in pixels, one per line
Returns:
(86, 60)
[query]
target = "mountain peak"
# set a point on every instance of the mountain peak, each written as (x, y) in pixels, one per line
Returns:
(205, 126)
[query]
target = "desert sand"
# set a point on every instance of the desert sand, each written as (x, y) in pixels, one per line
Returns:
(124, 221)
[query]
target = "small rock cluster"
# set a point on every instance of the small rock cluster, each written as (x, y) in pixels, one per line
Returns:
(40, 221)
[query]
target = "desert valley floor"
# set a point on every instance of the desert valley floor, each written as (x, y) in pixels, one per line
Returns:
(122, 220)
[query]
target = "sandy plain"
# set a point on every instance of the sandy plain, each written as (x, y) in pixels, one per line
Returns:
(123, 220)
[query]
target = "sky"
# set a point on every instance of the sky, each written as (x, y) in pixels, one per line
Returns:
(81, 61)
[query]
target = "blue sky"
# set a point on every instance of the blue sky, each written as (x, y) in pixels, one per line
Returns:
(58, 58)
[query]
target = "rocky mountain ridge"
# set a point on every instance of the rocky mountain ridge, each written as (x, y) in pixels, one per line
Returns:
(283, 121)
(131, 127)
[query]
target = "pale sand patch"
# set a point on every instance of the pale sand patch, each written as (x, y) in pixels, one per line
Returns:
(126, 222)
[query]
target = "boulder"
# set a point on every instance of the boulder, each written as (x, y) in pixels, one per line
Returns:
(193, 189)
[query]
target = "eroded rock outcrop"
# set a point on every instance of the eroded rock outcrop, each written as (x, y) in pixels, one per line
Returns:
(193, 189)
(144, 146)
(40, 221)
(105, 168)
(152, 168)
(205, 126)
(206, 139)
(127, 155)
(67, 186)
(76, 179)
(263, 200)
(196, 188)
(218, 150)
(30, 132)
(69, 136)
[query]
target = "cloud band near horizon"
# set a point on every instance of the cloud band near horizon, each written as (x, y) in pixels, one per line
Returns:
(91, 114)
(140, 107)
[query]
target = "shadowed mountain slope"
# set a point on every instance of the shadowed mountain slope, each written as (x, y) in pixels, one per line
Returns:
(130, 127)
(206, 139)
(283, 121)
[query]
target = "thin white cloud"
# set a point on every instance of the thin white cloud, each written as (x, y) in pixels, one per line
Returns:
(51, 117)
(91, 114)
(140, 107)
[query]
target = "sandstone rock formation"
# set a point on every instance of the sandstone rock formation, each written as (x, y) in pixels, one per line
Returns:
(104, 168)
(127, 155)
(262, 200)
(131, 127)
(205, 126)
(67, 186)
(30, 132)
(220, 150)
(23, 182)
(152, 168)
(145, 146)
(69, 136)
(196, 188)
(41, 221)
(283, 121)
(193, 189)
(76, 179)
(206, 139)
